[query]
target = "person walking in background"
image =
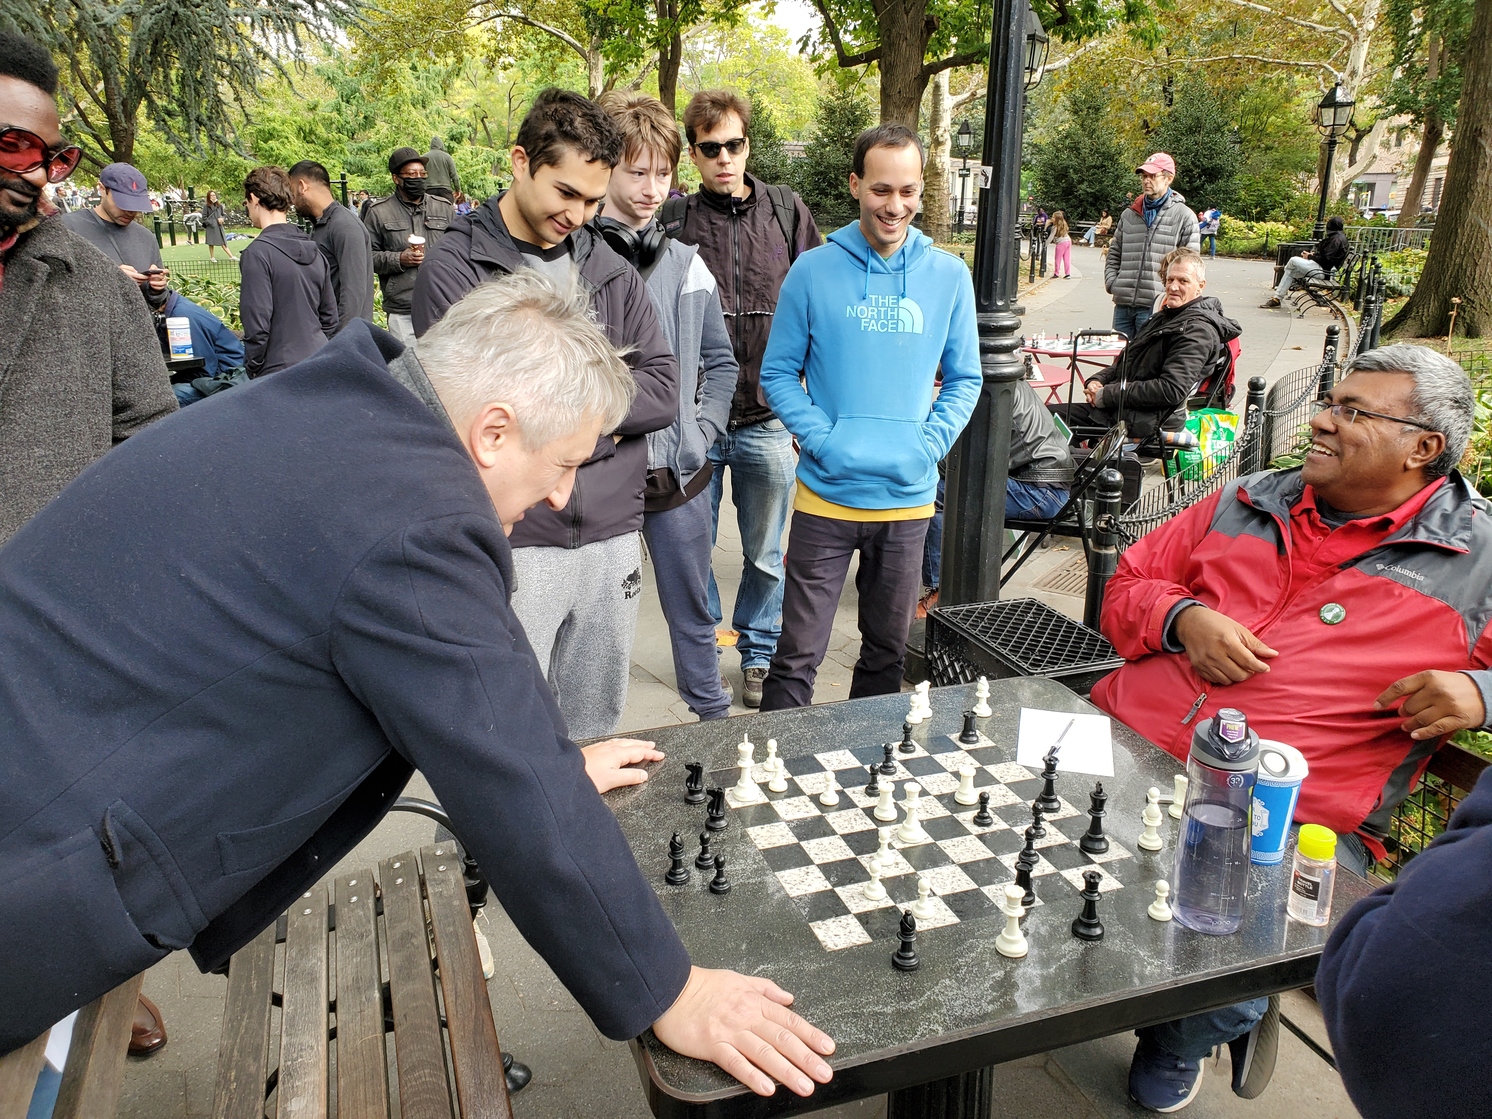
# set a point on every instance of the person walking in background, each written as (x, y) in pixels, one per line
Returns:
(111, 228)
(213, 217)
(441, 176)
(1061, 246)
(1209, 222)
(1329, 254)
(342, 239)
(286, 301)
(404, 227)
(1156, 222)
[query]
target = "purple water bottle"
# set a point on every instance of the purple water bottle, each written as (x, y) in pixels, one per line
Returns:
(1212, 850)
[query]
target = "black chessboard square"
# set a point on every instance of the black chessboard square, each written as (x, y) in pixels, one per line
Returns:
(751, 815)
(941, 744)
(844, 872)
(868, 754)
(786, 857)
(946, 827)
(797, 767)
(885, 923)
(988, 872)
(1017, 815)
(903, 890)
(922, 767)
(1003, 842)
(863, 842)
(811, 827)
(971, 905)
(821, 906)
(1065, 856)
(925, 856)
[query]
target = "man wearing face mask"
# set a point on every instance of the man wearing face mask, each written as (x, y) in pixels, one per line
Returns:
(408, 213)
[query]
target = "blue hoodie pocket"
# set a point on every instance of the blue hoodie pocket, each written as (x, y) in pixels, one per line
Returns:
(862, 448)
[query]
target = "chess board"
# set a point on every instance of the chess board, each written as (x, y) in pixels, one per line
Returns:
(819, 855)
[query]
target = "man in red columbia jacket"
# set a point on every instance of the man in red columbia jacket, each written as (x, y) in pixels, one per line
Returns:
(1343, 606)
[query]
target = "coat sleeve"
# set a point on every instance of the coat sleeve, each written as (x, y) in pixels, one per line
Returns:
(141, 386)
(331, 320)
(1151, 579)
(1404, 982)
(349, 253)
(717, 357)
(385, 261)
(962, 376)
(651, 359)
(422, 634)
(1187, 355)
(255, 307)
(1115, 254)
(786, 357)
(1190, 234)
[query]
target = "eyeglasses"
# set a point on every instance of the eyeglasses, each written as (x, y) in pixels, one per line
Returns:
(710, 149)
(1343, 414)
(23, 152)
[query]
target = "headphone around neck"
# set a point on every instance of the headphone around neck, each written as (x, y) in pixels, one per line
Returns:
(640, 247)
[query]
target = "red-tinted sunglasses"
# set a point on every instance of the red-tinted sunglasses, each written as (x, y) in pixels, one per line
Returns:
(23, 152)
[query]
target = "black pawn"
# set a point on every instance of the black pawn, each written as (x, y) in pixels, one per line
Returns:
(1087, 926)
(678, 873)
(1094, 841)
(969, 736)
(873, 789)
(706, 858)
(983, 818)
(715, 818)
(907, 746)
(694, 784)
(719, 884)
(888, 767)
(905, 958)
(1048, 801)
(1038, 820)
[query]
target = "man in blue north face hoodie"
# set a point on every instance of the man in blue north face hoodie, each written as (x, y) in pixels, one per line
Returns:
(863, 324)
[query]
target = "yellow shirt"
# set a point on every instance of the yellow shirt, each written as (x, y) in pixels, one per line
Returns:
(807, 501)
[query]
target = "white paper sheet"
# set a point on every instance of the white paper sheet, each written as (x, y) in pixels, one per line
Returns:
(1087, 744)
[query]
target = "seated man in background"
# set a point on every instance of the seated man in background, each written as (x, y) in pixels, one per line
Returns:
(1329, 254)
(219, 348)
(1342, 606)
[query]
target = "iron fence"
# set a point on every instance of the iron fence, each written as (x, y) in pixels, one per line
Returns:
(1386, 238)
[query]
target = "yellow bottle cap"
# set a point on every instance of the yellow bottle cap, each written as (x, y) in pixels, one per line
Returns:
(1316, 842)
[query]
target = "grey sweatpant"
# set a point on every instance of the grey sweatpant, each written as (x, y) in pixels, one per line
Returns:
(579, 609)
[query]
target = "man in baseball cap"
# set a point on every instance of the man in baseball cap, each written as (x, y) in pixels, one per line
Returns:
(111, 228)
(402, 228)
(1157, 221)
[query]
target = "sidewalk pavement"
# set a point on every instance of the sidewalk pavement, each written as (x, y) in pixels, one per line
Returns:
(578, 1074)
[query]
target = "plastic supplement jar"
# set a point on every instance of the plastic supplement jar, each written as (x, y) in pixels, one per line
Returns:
(1313, 875)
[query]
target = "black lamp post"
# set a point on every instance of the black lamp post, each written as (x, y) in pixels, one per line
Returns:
(1332, 116)
(965, 142)
(974, 531)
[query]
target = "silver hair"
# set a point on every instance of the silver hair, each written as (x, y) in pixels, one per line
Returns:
(1442, 397)
(1182, 256)
(529, 342)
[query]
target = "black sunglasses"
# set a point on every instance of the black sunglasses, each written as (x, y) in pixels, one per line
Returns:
(23, 152)
(710, 149)
(1345, 414)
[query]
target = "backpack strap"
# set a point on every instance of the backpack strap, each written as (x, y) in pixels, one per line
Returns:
(787, 215)
(671, 216)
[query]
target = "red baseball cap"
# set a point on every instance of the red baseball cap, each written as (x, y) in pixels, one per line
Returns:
(1160, 161)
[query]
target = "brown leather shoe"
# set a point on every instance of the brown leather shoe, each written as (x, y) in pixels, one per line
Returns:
(148, 1031)
(927, 602)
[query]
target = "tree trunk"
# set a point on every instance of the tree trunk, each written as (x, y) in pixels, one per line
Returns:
(935, 214)
(669, 61)
(1460, 260)
(595, 68)
(1414, 194)
(903, 39)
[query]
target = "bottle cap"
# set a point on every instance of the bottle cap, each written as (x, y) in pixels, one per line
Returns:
(1316, 842)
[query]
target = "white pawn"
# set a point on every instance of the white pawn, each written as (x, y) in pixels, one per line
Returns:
(874, 891)
(981, 699)
(1178, 799)
(914, 711)
(778, 782)
(772, 761)
(1011, 941)
(1160, 908)
(923, 908)
(885, 806)
(882, 857)
(830, 796)
(965, 793)
(1150, 838)
(911, 830)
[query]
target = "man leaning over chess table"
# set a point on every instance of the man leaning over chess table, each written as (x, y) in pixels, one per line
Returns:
(1342, 605)
(229, 643)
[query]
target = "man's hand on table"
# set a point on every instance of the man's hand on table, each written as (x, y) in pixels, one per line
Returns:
(608, 764)
(1436, 703)
(742, 1023)
(1221, 650)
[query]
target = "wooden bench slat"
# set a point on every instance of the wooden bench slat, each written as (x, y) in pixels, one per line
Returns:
(95, 1061)
(18, 1072)
(362, 1068)
(481, 1086)
(303, 1021)
(243, 1056)
(418, 1050)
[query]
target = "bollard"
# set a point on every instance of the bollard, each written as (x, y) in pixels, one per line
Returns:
(342, 185)
(1252, 456)
(1103, 551)
(160, 242)
(171, 228)
(1378, 298)
(1031, 279)
(1329, 358)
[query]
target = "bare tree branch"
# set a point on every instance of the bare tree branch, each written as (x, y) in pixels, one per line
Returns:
(963, 58)
(844, 59)
(518, 17)
(1320, 28)
(1297, 63)
(1067, 60)
(973, 93)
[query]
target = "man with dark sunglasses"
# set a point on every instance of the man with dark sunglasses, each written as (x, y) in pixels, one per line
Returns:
(111, 228)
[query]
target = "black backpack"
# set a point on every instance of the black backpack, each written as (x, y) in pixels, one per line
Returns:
(674, 210)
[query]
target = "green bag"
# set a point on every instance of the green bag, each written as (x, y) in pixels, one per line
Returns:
(1215, 430)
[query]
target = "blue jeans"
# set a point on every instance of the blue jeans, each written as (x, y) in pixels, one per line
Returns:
(761, 464)
(1128, 320)
(1212, 239)
(1021, 500)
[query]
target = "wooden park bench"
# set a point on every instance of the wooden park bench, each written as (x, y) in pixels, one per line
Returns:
(95, 1061)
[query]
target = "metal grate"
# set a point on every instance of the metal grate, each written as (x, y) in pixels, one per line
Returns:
(1015, 637)
(1069, 577)
(1425, 812)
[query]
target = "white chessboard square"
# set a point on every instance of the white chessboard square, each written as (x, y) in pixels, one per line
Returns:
(803, 880)
(967, 819)
(840, 932)
(917, 751)
(955, 760)
(1042, 866)
(1113, 854)
(948, 880)
(855, 900)
(938, 784)
(771, 835)
(984, 743)
(1009, 771)
(850, 821)
(996, 894)
(928, 807)
(1052, 838)
(1065, 811)
(734, 798)
(839, 759)
(1000, 796)
(1106, 881)
(966, 849)
(892, 865)
(813, 783)
(941, 915)
(859, 797)
(829, 849)
(795, 808)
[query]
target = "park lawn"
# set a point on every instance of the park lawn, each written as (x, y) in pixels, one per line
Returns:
(185, 250)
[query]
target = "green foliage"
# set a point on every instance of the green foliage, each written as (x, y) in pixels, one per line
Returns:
(1198, 133)
(1414, 89)
(1081, 168)
(1278, 146)
(218, 296)
(769, 160)
(759, 59)
(1476, 463)
(822, 176)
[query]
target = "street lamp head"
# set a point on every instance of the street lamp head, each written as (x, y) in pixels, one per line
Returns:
(1334, 113)
(1037, 42)
(965, 137)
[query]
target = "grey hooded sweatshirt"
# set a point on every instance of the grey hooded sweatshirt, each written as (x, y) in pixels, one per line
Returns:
(440, 168)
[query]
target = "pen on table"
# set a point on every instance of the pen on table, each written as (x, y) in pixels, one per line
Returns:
(1063, 735)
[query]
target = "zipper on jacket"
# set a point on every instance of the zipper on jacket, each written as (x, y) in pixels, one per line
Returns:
(1196, 706)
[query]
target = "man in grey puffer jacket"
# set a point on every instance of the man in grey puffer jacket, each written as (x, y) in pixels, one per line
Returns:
(1157, 221)
(677, 510)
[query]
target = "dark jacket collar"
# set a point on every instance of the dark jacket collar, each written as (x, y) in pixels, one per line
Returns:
(729, 203)
(492, 245)
(53, 242)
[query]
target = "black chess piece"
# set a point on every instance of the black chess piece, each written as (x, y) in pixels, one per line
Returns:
(1094, 841)
(905, 958)
(888, 767)
(1025, 865)
(907, 746)
(1087, 926)
(715, 817)
(706, 858)
(984, 818)
(694, 784)
(719, 884)
(1048, 801)
(969, 736)
(1038, 820)
(873, 789)
(678, 873)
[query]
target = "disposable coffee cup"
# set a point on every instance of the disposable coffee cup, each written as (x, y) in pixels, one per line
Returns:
(1282, 768)
(416, 241)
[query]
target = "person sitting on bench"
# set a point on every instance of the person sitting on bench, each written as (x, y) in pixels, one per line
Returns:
(1329, 254)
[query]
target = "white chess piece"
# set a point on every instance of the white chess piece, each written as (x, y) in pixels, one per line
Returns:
(981, 699)
(746, 789)
(873, 890)
(830, 796)
(1160, 908)
(965, 793)
(776, 768)
(923, 701)
(914, 711)
(923, 908)
(911, 830)
(885, 805)
(882, 857)
(1011, 941)
(1150, 838)
(772, 761)
(1178, 800)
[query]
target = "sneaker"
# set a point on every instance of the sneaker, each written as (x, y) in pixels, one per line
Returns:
(1270, 303)
(1161, 1081)
(1254, 1054)
(751, 694)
